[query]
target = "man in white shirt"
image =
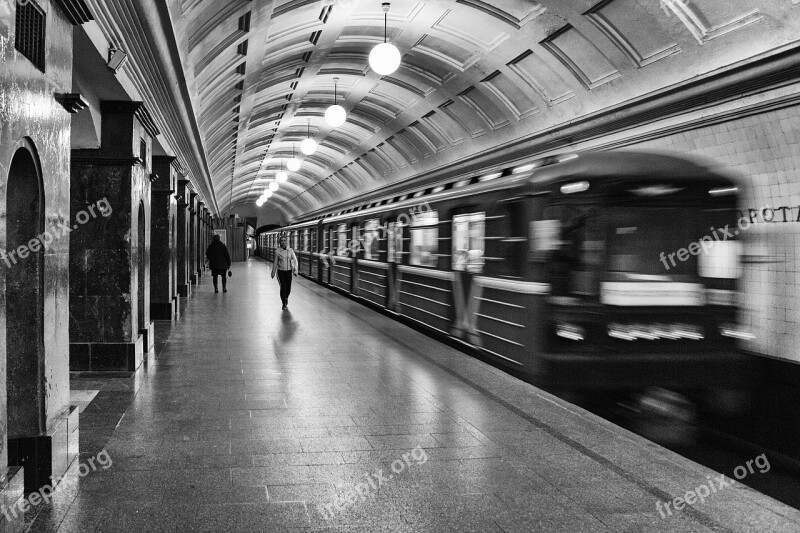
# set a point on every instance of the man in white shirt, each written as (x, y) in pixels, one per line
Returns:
(285, 265)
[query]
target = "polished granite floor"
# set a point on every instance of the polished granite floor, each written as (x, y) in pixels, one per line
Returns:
(329, 417)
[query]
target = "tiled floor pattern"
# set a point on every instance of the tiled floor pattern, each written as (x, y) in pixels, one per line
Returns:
(256, 419)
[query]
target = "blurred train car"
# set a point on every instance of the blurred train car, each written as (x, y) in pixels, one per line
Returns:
(603, 271)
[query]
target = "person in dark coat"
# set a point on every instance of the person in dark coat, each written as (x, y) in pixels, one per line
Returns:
(219, 260)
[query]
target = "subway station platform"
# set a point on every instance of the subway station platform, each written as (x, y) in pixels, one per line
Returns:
(331, 417)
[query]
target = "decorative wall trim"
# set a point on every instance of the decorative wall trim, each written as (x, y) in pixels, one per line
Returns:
(72, 102)
(76, 11)
(93, 157)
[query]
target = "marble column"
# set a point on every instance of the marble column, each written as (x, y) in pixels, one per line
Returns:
(163, 241)
(39, 429)
(193, 239)
(184, 239)
(201, 240)
(207, 227)
(110, 326)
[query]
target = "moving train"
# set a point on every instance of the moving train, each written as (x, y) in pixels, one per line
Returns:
(597, 271)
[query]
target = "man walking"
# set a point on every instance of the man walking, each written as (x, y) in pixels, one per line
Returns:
(219, 260)
(286, 265)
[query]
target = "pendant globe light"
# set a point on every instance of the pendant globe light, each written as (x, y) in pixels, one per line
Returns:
(273, 186)
(281, 176)
(384, 58)
(309, 145)
(294, 164)
(267, 194)
(260, 201)
(335, 115)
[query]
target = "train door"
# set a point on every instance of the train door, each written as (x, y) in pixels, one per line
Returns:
(394, 255)
(332, 253)
(324, 251)
(467, 261)
(355, 246)
(343, 264)
(318, 250)
(271, 248)
(307, 251)
(372, 265)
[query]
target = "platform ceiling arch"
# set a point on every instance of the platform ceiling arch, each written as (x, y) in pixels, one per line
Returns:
(474, 76)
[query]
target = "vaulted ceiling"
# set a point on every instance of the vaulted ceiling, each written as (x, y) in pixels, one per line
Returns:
(475, 77)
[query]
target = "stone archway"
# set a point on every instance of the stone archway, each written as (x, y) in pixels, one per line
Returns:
(24, 269)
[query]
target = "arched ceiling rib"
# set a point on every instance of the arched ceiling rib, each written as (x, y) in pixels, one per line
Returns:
(475, 76)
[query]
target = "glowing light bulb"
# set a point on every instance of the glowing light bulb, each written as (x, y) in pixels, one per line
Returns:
(308, 146)
(267, 194)
(293, 164)
(260, 202)
(335, 116)
(384, 58)
(281, 176)
(273, 186)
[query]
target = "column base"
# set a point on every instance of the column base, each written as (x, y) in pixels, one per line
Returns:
(148, 336)
(176, 304)
(162, 311)
(45, 458)
(102, 356)
(185, 290)
(12, 490)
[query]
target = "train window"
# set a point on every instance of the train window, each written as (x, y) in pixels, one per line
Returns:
(511, 247)
(637, 236)
(719, 259)
(571, 240)
(425, 239)
(544, 237)
(468, 242)
(305, 240)
(371, 239)
(394, 249)
(341, 239)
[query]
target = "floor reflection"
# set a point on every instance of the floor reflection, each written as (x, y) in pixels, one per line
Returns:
(289, 327)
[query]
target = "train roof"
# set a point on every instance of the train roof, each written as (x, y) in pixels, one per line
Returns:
(539, 175)
(641, 165)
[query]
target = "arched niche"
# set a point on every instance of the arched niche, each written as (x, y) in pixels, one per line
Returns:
(24, 275)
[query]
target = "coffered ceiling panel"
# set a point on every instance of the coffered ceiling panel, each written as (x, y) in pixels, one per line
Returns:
(236, 85)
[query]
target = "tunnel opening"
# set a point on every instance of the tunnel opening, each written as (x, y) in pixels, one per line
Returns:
(24, 269)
